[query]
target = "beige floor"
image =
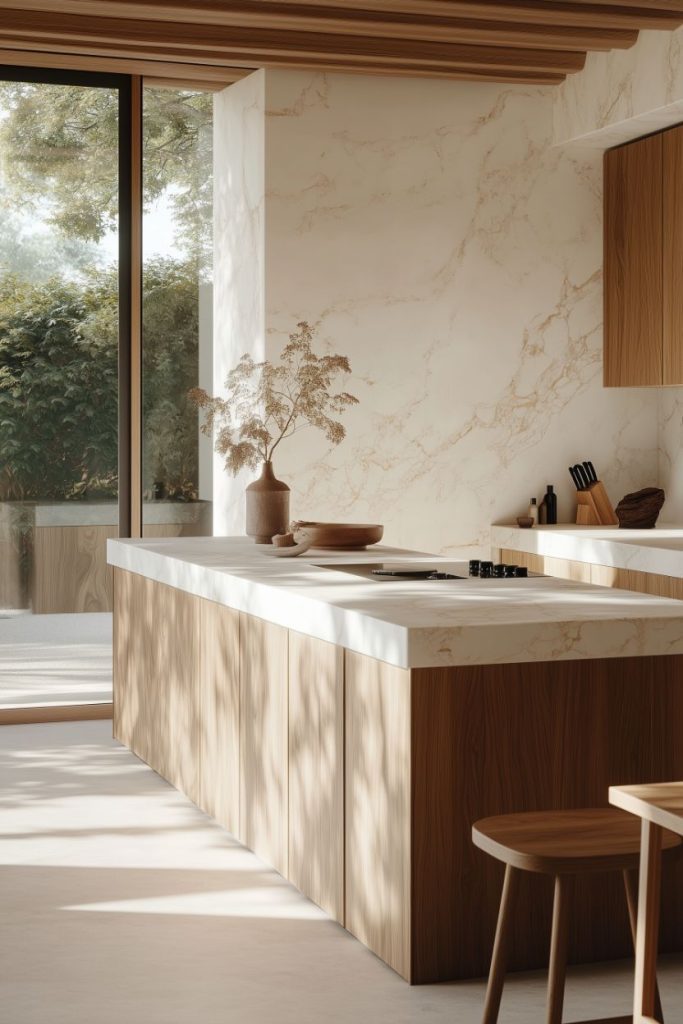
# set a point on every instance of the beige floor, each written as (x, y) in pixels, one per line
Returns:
(120, 903)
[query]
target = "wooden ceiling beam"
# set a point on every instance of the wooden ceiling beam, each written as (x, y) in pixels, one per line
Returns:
(285, 15)
(217, 76)
(509, 71)
(494, 40)
(209, 77)
(239, 45)
(543, 12)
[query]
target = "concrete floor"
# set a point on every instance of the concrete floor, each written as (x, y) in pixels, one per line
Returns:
(121, 902)
(55, 659)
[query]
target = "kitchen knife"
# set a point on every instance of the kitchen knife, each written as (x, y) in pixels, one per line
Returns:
(582, 475)
(575, 478)
(590, 469)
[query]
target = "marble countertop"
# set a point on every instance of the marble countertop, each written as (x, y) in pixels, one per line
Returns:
(414, 624)
(658, 551)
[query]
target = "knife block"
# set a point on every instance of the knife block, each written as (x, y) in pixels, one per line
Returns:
(594, 508)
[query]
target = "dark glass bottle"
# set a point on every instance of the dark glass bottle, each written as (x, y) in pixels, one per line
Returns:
(550, 500)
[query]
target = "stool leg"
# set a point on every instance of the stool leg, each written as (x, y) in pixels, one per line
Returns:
(558, 949)
(494, 989)
(631, 887)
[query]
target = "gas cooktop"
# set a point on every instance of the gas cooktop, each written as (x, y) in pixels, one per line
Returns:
(435, 571)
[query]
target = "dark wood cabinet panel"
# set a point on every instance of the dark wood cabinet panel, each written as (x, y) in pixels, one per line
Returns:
(672, 226)
(633, 264)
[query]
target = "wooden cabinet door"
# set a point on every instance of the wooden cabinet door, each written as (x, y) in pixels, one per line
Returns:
(672, 223)
(316, 771)
(156, 692)
(220, 713)
(633, 261)
(264, 753)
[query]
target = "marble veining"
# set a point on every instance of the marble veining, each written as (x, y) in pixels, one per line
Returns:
(434, 235)
(622, 94)
(416, 623)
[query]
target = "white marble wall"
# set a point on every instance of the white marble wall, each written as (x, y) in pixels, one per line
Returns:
(622, 94)
(239, 254)
(436, 237)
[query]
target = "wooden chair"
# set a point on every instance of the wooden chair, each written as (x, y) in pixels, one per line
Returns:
(562, 844)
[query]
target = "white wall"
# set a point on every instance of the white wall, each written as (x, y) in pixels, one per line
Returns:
(239, 252)
(438, 240)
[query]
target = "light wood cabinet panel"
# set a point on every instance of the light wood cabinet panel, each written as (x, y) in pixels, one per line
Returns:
(316, 771)
(534, 563)
(263, 740)
(633, 263)
(156, 686)
(599, 575)
(378, 808)
(70, 571)
(566, 569)
(633, 579)
(220, 714)
(672, 222)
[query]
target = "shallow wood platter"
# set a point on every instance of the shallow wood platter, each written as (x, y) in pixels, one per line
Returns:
(352, 536)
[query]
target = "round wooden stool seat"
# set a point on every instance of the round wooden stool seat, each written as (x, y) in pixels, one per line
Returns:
(561, 844)
(565, 842)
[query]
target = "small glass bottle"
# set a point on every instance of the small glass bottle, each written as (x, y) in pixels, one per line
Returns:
(550, 500)
(533, 511)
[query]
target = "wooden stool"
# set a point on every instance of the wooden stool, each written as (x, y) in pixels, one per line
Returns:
(562, 844)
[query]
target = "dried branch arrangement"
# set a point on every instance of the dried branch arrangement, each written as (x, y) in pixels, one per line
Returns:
(266, 402)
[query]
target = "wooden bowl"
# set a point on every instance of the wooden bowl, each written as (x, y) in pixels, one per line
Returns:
(339, 535)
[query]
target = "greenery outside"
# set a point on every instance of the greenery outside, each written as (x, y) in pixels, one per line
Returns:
(59, 293)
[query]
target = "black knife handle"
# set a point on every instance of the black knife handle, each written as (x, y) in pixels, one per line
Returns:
(581, 474)
(590, 468)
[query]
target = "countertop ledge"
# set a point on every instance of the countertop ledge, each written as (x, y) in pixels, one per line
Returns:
(413, 624)
(657, 551)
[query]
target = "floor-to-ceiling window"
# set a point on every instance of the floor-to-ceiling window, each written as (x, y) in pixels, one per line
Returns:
(176, 309)
(62, 141)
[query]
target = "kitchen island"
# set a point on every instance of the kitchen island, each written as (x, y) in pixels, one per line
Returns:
(350, 729)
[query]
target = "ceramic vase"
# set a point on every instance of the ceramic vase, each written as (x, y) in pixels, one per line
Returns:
(267, 506)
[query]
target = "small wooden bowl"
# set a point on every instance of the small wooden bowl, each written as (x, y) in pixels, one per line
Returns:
(352, 536)
(525, 522)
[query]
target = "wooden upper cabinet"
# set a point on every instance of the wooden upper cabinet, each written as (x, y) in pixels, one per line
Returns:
(633, 257)
(672, 226)
(644, 262)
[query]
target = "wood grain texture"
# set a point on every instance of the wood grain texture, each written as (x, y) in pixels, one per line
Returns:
(264, 754)
(316, 771)
(131, 362)
(12, 588)
(641, 582)
(538, 41)
(32, 715)
(378, 809)
(661, 803)
(219, 752)
(672, 222)
(158, 73)
(524, 558)
(70, 571)
(633, 263)
(647, 932)
(564, 842)
(156, 686)
(599, 575)
(503, 739)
